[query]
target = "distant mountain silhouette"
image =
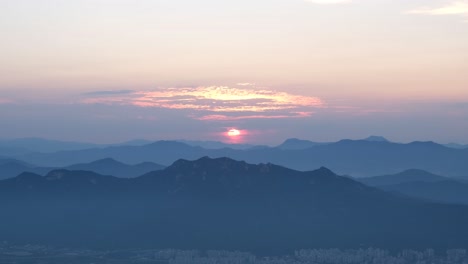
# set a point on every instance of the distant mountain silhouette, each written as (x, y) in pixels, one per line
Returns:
(221, 204)
(11, 151)
(403, 177)
(376, 139)
(216, 144)
(22, 146)
(457, 146)
(6, 160)
(62, 185)
(296, 144)
(10, 168)
(423, 185)
(135, 142)
(112, 167)
(164, 151)
(28, 145)
(357, 158)
(448, 191)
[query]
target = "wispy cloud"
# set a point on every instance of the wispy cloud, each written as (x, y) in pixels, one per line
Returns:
(253, 116)
(218, 102)
(454, 8)
(329, 2)
(104, 93)
(246, 84)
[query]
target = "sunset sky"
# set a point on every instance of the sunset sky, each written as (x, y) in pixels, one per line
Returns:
(113, 70)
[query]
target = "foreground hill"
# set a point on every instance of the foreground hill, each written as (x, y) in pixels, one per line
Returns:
(221, 204)
(357, 158)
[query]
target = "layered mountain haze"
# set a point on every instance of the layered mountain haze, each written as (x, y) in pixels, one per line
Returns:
(448, 191)
(216, 144)
(376, 139)
(112, 167)
(10, 168)
(403, 177)
(22, 146)
(221, 204)
(297, 144)
(457, 146)
(357, 158)
(29, 145)
(423, 185)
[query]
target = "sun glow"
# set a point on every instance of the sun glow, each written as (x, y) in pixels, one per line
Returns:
(234, 133)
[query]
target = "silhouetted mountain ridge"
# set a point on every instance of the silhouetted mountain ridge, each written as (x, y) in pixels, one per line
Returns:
(412, 175)
(10, 168)
(221, 203)
(231, 175)
(59, 182)
(447, 191)
(358, 158)
(423, 185)
(295, 144)
(110, 166)
(217, 144)
(376, 139)
(457, 146)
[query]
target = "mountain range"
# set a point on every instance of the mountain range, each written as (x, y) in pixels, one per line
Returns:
(455, 145)
(10, 168)
(406, 176)
(221, 204)
(357, 158)
(21, 146)
(423, 185)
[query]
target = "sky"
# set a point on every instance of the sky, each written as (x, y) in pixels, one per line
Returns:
(106, 71)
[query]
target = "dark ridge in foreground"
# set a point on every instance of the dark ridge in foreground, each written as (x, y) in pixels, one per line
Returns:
(221, 204)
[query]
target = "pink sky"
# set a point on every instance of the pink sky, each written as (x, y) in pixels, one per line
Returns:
(199, 67)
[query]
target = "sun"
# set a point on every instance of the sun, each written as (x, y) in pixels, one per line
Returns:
(233, 133)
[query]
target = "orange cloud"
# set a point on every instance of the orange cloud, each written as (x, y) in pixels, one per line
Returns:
(219, 99)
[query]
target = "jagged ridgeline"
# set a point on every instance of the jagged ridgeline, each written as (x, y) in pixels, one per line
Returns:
(221, 204)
